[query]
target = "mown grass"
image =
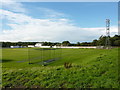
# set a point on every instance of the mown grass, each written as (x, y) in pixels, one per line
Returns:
(91, 68)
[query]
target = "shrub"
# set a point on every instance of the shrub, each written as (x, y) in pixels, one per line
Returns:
(67, 65)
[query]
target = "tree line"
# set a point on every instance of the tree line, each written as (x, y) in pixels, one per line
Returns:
(114, 41)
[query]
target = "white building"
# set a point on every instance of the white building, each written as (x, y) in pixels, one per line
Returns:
(38, 44)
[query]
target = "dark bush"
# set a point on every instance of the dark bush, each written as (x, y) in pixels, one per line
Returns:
(67, 65)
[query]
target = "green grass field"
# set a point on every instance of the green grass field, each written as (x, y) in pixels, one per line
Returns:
(91, 68)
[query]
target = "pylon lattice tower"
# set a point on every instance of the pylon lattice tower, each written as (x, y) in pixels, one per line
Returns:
(107, 43)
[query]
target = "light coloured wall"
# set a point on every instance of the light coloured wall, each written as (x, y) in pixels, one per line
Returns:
(75, 47)
(14, 46)
(68, 46)
(45, 46)
(31, 46)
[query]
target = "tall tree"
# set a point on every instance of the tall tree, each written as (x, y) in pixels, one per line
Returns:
(65, 43)
(94, 42)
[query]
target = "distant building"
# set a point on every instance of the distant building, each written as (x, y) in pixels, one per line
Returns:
(38, 44)
(41, 45)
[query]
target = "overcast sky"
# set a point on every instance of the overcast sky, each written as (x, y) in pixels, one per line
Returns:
(57, 21)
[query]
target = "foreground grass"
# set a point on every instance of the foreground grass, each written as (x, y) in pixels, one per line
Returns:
(91, 68)
(94, 76)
